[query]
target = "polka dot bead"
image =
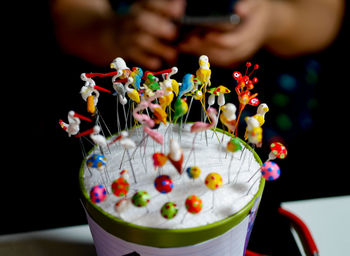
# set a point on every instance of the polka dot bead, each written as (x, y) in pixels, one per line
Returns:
(141, 198)
(98, 194)
(163, 184)
(278, 150)
(213, 181)
(120, 187)
(96, 161)
(193, 204)
(193, 172)
(169, 210)
(270, 170)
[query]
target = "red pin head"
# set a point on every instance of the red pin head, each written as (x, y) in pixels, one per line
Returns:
(237, 75)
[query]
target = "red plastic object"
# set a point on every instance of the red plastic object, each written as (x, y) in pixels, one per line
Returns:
(303, 233)
(250, 253)
(302, 230)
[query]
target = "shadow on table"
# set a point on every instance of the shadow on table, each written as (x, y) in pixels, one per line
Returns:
(46, 247)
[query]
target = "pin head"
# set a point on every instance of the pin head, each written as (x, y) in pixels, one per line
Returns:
(98, 194)
(169, 210)
(270, 171)
(193, 172)
(278, 150)
(96, 161)
(120, 187)
(141, 198)
(163, 184)
(194, 204)
(213, 181)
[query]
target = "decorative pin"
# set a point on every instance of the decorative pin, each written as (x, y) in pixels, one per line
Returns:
(193, 205)
(176, 156)
(120, 187)
(278, 150)
(204, 72)
(254, 131)
(122, 70)
(159, 159)
(96, 161)
(169, 210)
(141, 198)
(233, 146)
(186, 86)
(269, 170)
(73, 126)
(98, 194)
(99, 162)
(243, 88)
(193, 172)
(213, 181)
(228, 117)
(181, 109)
(220, 92)
(163, 184)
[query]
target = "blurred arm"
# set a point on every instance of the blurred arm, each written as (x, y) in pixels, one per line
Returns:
(303, 26)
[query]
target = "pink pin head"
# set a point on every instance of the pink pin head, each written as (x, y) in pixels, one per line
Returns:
(270, 171)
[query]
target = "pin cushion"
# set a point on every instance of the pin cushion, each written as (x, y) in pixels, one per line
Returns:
(164, 186)
(172, 211)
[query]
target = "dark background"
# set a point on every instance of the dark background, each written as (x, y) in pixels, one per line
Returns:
(41, 84)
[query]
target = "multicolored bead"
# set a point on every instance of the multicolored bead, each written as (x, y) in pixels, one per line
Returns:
(98, 194)
(169, 210)
(193, 204)
(213, 181)
(141, 198)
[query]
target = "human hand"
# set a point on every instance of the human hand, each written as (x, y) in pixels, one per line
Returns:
(91, 30)
(229, 45)
(146, 34)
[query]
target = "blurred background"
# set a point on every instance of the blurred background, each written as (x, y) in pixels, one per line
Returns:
(307, 95)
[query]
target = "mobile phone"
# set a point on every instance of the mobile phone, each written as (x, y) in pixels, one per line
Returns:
(210, 13)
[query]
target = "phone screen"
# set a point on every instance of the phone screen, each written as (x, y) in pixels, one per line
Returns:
(202, 8)
(202, 13)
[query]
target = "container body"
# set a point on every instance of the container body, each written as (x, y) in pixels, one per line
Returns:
(225, 238)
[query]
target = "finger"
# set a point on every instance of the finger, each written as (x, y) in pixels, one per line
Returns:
(244, 8)
(192, 45)
(196, 46)
(156, 25)
(150, 62)
(223, 40)
(170, 8)
(155, 47)
(218, 56)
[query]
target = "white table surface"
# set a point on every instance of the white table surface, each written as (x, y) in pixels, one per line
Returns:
(67, 241)
(328, 220)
